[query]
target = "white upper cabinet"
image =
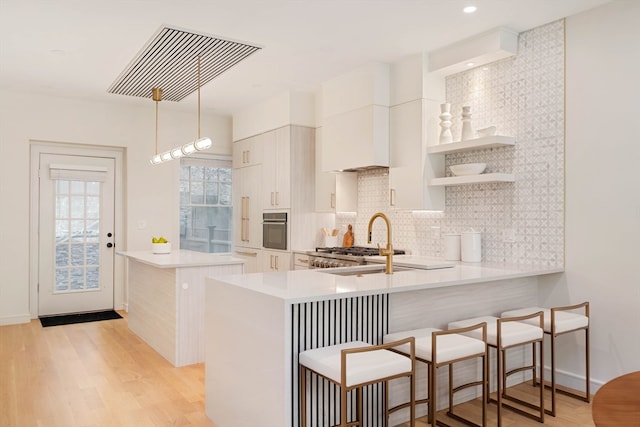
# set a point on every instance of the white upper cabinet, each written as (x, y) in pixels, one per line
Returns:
(411, 166)
(355, 109)
(276, 168)
(335, 191)
(416, 97)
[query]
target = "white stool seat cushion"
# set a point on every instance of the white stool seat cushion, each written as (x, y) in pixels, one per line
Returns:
(361, 367)
(449, 347)
(565, 321)
(513, 333)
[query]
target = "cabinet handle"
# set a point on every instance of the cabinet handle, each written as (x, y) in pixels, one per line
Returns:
(248, 156)
(276, 259)
(303, 260)
(272, 198)
(277, 202)
(253, 254)
(392, 197)
(333, 200)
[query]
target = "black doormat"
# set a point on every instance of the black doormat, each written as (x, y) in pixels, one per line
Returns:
(68, 319)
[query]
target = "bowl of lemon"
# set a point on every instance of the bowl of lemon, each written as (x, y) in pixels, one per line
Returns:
(160, 245)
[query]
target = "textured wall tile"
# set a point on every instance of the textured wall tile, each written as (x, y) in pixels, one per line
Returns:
(522, 96)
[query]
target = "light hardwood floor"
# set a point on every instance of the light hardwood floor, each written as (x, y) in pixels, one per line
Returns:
(101, 374)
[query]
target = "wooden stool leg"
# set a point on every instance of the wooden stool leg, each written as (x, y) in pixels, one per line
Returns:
(553, 374)
(485, 387)
(586, 361)
(499, 368)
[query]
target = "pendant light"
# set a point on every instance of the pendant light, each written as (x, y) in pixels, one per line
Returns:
(181, 150)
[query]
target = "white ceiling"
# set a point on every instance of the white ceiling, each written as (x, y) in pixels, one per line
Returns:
(77, 48)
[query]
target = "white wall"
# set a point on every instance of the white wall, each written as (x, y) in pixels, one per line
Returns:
(603, 187)
(288, 108)
(151, 192)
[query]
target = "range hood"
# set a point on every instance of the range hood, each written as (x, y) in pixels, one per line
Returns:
(355, 109)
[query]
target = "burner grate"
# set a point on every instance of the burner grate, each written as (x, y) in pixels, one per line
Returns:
(356, 251)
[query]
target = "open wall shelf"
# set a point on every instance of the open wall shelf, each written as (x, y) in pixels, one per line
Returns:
(473, 179)
(472, 144)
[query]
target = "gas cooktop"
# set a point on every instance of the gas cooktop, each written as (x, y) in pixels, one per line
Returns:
(354, 251)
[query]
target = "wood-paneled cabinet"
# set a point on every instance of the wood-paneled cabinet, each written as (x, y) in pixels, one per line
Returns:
(247, 152)
(252, 259)
(276, 261)
(271, 185)
(247, 212)
(276, 168)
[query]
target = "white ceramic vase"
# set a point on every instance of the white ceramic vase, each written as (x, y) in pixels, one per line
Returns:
(467, 130)
(445, 123)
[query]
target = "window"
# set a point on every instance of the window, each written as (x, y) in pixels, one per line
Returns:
(205, 205)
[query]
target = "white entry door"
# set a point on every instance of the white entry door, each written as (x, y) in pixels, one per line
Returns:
(76, 234)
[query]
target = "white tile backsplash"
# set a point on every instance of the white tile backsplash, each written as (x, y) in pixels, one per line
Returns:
(522, 96)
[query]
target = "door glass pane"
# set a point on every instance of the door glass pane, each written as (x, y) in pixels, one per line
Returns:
(77, 248)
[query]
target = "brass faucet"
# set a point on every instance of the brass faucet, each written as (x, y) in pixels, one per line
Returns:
(388, 251)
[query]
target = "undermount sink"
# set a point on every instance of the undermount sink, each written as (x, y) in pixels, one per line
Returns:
(361, 270)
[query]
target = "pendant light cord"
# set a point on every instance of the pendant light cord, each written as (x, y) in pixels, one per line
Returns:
(156, 127)
(198, 96)
(156, 93)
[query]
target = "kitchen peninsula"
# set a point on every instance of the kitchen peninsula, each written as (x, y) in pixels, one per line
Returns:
(166, 299)
(258, 323)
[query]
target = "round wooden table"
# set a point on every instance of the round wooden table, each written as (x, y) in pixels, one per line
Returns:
(617, 403)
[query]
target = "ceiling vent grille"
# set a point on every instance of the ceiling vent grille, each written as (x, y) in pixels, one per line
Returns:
(169, 61)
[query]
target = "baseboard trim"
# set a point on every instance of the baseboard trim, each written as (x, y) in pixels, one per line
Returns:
(572, 380)
(15, 320)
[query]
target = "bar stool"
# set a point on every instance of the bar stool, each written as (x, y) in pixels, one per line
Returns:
(354, 365)
(438, 348)
(504, 334)
(559, 321)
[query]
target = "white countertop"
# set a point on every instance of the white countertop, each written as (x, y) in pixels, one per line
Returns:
(313, 285)
(413, 261)
(181, 258)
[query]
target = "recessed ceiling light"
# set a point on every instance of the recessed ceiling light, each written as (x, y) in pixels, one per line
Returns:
(470, 64)
(469, 9)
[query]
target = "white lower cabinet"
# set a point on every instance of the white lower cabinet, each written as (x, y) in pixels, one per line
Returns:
(275, 261)
(252, 259)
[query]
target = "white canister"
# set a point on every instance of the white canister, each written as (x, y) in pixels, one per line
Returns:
(452, 247)
(471, 247)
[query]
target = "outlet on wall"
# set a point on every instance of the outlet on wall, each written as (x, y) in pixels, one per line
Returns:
(435, 232)
(508, 235)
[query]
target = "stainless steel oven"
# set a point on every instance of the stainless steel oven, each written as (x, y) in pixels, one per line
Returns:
(274, 230)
